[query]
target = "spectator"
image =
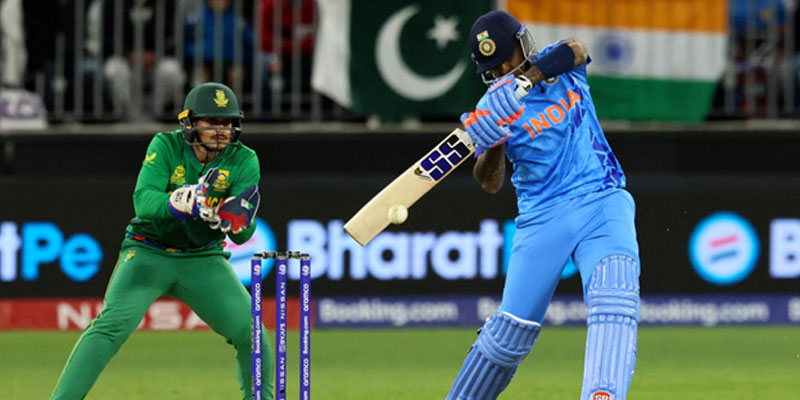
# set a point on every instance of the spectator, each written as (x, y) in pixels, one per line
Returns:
(205, 44)
(12, 45)
(50, 41)
(163, 78)
(290, 34)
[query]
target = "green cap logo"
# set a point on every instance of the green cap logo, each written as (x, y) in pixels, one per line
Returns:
(221, 100)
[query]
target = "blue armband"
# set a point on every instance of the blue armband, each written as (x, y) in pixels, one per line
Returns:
(556, 62)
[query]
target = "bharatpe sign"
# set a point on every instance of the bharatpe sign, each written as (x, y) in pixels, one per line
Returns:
(784, 256)
(25, 247)
(450, 255)
(399, 255)
(724, 248)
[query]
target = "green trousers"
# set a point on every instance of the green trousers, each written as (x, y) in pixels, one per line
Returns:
(205, 282)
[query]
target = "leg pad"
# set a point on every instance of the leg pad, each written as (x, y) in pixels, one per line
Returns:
(612, 298)
(502, 344)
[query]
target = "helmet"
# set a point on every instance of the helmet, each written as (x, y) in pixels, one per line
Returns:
(493, 39)
(213, 100)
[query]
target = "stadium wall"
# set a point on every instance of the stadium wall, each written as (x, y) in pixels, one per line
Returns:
(717, 216)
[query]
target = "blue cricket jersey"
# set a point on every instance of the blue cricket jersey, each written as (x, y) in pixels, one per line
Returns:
(557, 146)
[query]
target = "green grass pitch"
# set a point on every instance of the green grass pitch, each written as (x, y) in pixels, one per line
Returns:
(673, 363)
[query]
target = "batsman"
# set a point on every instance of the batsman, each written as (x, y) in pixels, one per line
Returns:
(196, 185)
(572, 204)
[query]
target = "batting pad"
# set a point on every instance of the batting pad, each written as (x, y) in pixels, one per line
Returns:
(612, 298)
(502, 344)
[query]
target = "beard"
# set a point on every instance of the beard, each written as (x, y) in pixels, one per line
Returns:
(214, 143)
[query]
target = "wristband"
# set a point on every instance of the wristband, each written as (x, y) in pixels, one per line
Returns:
(556, 62)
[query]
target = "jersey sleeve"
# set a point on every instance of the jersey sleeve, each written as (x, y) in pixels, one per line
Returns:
(249, 175)
(150, 197)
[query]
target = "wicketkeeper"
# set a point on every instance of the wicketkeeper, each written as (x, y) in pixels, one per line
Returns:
(196, 185)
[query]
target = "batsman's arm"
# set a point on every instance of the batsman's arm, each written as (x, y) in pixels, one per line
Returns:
(570, 54)
(501, 102)
(150, 199)
(490, 169)
(249, 175)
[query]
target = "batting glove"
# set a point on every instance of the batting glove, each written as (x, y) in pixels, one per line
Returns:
(502, 101)
(238, 212)
(483, 128)
(189, 201)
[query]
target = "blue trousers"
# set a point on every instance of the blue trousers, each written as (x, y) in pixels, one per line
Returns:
(587, 228)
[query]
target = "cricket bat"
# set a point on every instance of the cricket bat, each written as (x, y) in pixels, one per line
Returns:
(416, 181)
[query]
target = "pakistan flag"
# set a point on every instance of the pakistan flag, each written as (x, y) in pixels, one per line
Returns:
(398, 58)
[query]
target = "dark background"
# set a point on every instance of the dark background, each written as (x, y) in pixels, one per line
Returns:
(83, 183)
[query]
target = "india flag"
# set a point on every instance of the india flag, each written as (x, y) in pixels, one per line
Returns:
(651, 59)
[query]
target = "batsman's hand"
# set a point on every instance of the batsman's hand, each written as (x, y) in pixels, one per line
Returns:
(238, 212)
(502, 101)
(189, 201)
(483, 128)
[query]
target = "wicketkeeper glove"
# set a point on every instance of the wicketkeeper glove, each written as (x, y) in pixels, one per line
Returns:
(238, 212)
(189, 201)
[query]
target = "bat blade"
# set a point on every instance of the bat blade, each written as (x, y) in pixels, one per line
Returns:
(417, 180)
(410, 186)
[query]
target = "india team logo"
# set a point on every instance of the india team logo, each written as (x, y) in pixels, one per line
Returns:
(724, 248)
(485, 45)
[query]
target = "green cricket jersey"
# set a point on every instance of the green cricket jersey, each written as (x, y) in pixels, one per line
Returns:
(169, 164)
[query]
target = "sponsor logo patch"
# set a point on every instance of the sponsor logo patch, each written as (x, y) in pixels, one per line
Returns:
(441, 160)
(601, 395)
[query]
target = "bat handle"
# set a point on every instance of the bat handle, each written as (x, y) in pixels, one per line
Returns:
(523, 86)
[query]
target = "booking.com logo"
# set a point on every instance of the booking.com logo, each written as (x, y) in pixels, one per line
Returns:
(262, 240)
(724, 248)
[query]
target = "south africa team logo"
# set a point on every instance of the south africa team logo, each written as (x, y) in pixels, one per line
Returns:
(220, 99)
(178, 176)
(223, 181)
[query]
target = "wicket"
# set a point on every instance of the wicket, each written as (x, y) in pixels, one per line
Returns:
(281, 269)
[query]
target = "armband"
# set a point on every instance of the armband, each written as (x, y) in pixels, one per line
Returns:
(556, 62)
